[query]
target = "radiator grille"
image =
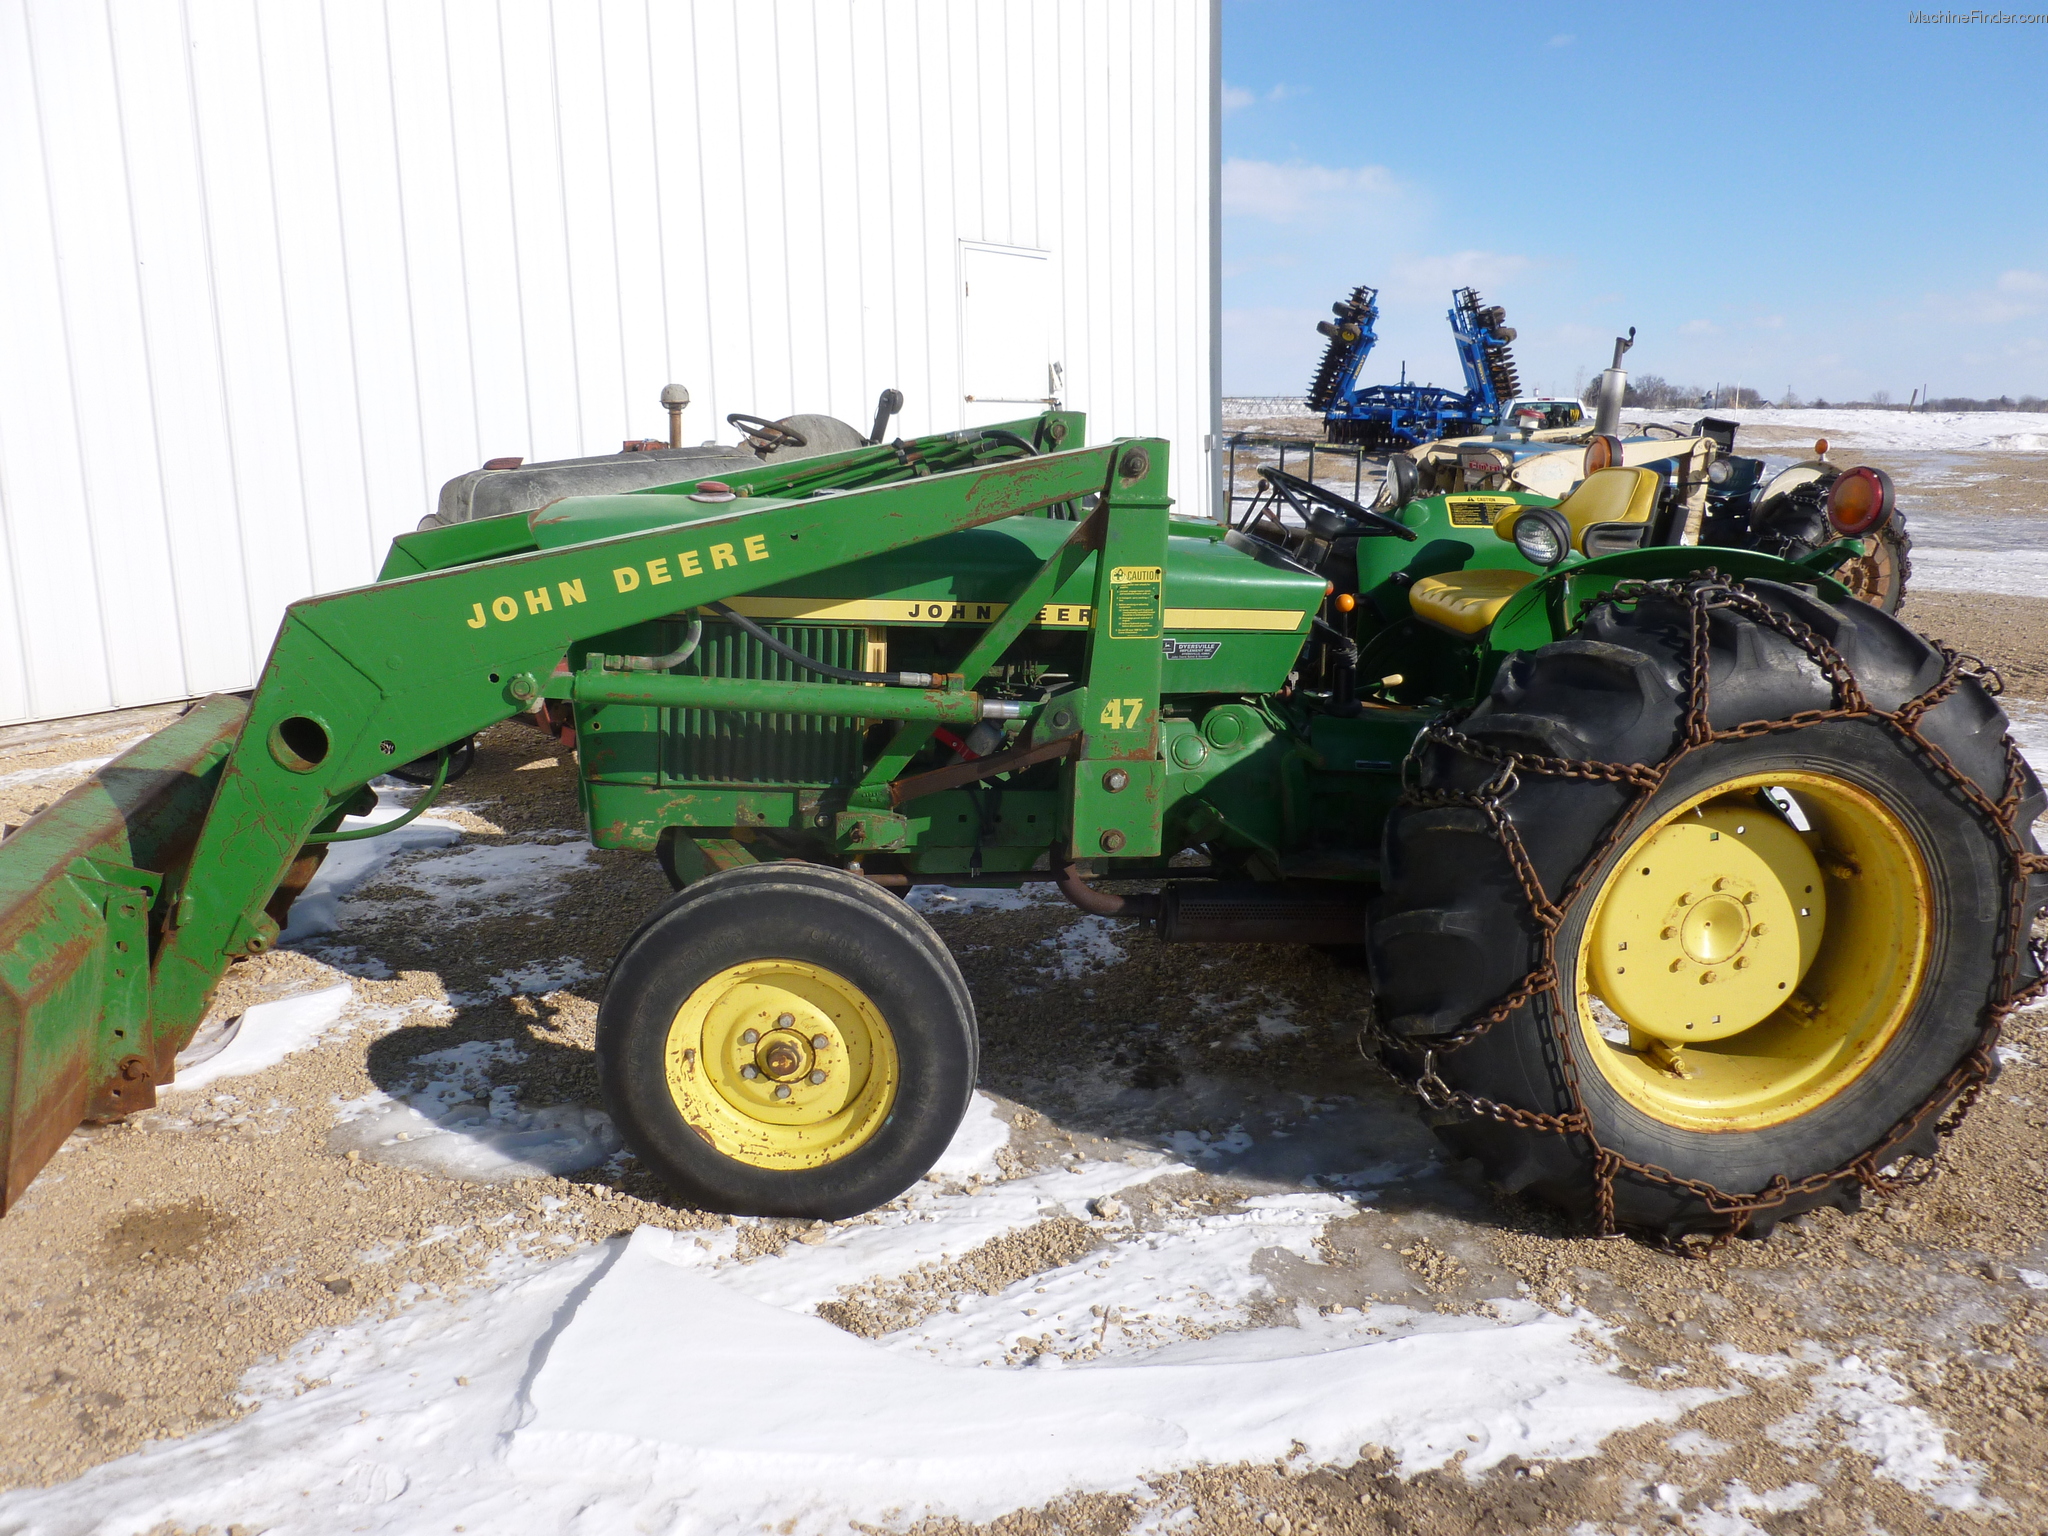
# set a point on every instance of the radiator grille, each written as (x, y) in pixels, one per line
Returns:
(717, 746)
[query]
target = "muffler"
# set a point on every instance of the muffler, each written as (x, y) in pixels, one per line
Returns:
(1256, 912)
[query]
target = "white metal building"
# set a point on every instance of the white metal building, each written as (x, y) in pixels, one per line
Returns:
(275, 269)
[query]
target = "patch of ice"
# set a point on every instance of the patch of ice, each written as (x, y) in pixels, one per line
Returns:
(508, 877)
(1739, 1501)
(538, 979)
(1088, 944)
(491, 1143)
(263, 1037)
(2034, 1279)
(1691, 1442)
(940, 900)
(455, 1125)
(350, 866)
(1231, 1142)
(1866, 1408)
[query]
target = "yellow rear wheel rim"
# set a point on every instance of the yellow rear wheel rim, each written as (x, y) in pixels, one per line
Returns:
(1736, 972)
(782, 1064)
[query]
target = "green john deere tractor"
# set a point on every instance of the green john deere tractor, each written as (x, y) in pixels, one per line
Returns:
(1694, 892)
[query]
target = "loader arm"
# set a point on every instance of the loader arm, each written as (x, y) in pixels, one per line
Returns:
(361, 680)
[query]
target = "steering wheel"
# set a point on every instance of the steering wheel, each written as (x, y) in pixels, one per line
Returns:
(767, 435)
(1296, 492)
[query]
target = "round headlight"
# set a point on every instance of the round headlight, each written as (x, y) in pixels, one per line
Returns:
(1719, 471)
(1860, 501)
(1542, 537)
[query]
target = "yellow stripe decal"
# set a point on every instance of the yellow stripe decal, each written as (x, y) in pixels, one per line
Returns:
(825, 610)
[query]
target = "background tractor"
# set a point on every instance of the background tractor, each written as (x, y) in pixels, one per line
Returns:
(1694, 892)
(1713, 495)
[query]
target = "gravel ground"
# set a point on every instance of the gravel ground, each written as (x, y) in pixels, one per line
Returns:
(154, 1263)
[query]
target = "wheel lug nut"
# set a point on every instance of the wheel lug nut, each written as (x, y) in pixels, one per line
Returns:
(784, 1021)
(818, 1076)
(1707, 976)
(821, 1042)
(782, 1091)
(749, 1073)
(750, 1037)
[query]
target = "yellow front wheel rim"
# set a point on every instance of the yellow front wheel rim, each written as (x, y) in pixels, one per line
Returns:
(780, 1064)
(1737, 972)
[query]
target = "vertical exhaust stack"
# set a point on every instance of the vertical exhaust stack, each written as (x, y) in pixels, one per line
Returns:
(674, 397)
(1613, 385)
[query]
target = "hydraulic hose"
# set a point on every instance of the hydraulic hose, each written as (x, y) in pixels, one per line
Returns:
(1008, 438)
(378, 829)
(1066, 511)
(674, 658)
(842, 674)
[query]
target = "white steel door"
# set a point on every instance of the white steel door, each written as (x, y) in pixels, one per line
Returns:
(1006, 331)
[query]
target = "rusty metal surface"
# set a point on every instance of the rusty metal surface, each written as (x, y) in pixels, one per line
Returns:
(82, 909)
(918, 785)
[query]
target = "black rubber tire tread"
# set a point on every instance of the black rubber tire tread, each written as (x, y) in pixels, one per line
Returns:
(825, 877)
(1452, 933)
(804, 912)
(461, 758)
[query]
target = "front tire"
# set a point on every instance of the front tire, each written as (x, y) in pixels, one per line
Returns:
(776, 1041)
(1787, 1001)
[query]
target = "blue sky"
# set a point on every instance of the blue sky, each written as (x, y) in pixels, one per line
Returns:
(1819, 196)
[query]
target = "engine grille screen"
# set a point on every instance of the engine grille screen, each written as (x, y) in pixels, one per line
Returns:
(717, 746)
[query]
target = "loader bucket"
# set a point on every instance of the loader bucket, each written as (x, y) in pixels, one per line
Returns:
(82, 908)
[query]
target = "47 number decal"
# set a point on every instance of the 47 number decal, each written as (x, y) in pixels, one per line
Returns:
(1121, 714)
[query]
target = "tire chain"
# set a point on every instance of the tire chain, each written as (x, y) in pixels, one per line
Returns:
(1950, 1100)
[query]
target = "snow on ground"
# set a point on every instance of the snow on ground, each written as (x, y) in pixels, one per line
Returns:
(951, 899)
(350, 866)
(451, 1123)
(2029, 725)
(646, 1383)
(262, 1037)
(1869, 1410)
(77, 768)
(1872, 430)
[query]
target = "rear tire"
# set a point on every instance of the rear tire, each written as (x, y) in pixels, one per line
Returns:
(1454, 933)
(822, 1132)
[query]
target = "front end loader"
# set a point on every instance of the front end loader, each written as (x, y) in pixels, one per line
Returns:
(1694, 892)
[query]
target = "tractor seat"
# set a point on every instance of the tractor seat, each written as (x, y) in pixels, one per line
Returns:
(1465, 602)
(1613, 495)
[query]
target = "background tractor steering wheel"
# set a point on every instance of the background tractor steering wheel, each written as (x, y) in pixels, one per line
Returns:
(766, 435)
(1304, 496)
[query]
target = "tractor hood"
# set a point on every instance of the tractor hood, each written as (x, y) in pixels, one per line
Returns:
(1222, 606)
